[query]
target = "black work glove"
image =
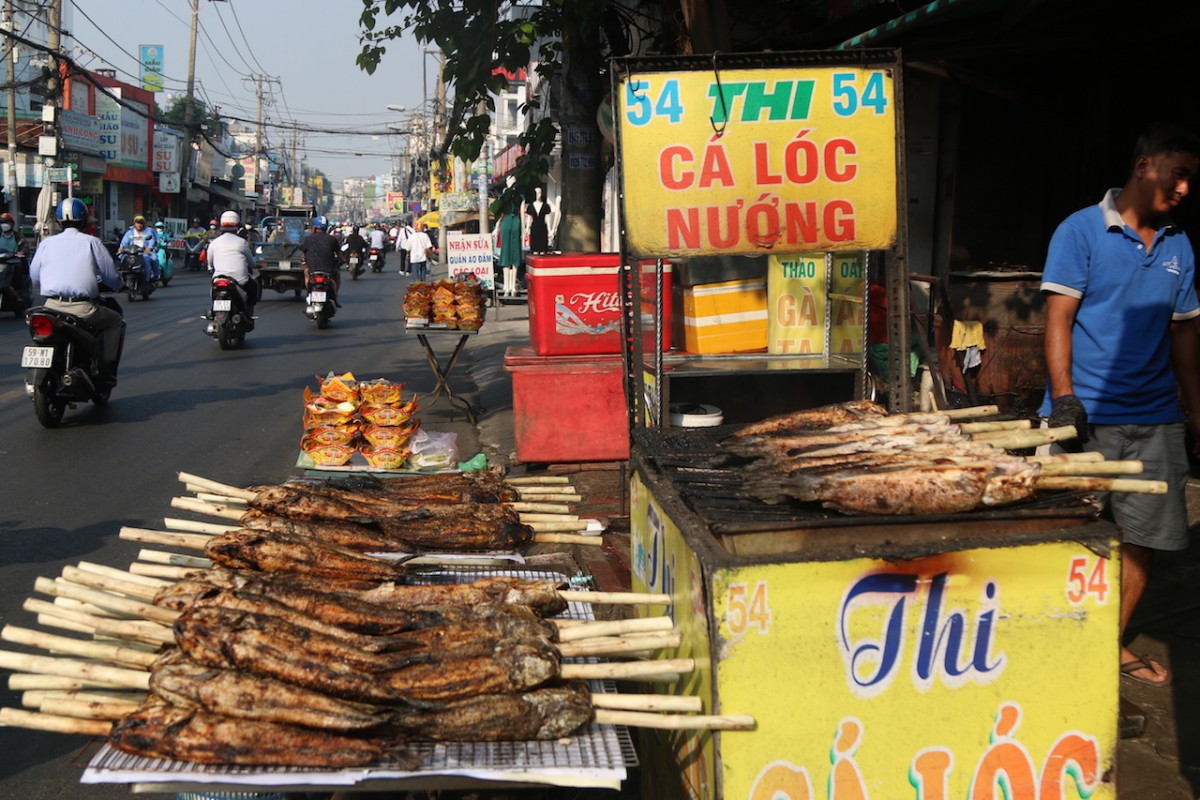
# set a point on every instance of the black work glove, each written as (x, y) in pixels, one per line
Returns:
(1068, 410)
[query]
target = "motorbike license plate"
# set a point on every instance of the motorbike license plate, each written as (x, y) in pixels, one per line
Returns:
(222, 305)
(316, 297)
(283, 265)
(37, 357)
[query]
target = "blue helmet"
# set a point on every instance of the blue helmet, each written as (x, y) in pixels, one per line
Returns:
(71, 209)
(320, 223)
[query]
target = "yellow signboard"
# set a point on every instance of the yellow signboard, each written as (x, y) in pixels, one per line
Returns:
(847, 303)
(796, 296)
(755, 160)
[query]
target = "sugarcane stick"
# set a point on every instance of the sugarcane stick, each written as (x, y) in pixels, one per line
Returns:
(138, 630)
(626, 670)
(676, 722)
(161, 570)
(211, 509)
(1092, 468)
(617, 598)
(568, 538)
(190, 541)
(540, 508)
(1083, 484)
(532, 491)
(122, 605)
(196, 526)
(176, 559)
(110, 710)
(1016, 440)
(611, 645)
(987, 427)
(35, 698)
(614, 628)
(684, 704)
(32, 720)
(557, 527)
(74, 668)
(555, 498)
(537, 480)
(1055, 458)
(72, 604)
(973, 411)
(77, 647)
(21, 681)
(528, 518)
(114, 585)
(213, 486)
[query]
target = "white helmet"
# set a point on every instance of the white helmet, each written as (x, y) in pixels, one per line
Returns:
(230, 219)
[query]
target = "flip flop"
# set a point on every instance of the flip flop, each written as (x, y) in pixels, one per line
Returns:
(1139, 664)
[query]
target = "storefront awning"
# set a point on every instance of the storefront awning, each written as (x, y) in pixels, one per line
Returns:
(237, 198)
(935, 12)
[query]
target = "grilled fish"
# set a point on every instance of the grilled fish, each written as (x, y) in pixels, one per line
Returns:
(823, 417)
(548, 713)
(283, 552)
(162, 730)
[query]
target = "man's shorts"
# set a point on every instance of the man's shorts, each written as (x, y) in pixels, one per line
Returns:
(1158, 521)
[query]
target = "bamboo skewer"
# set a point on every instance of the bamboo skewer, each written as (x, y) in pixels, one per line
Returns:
(685, 704)
(162, 571)
(36, 697)
(100, 569)
(618, 598)
(541, 508)
(613, 628)
(175, 559)
(568, 538)
(111, 710)
(21, 681)
(973, 411)
(48, 621)
(122, 605)
(537, 480)
(220, 499)
(1016, 440)
(1091, 468)
(1057, 458)
(988, 427)
(527, 518)
(213, 486)
(211, 509)
(614, 645)
(74, 668)
(19, 718)
(190, 541)
(115, 585)
(194, 526)
(121, 656)
(1083, 484)
(142, 631)
(628, 670)
(676, 722)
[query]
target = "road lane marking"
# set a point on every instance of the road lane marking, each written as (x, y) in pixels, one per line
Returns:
(12, 395)
(145, 337)
(187, 320)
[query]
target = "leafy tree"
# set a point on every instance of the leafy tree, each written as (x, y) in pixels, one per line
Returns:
(176, 113)
(478, 39)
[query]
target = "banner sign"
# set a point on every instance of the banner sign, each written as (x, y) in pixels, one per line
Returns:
(781, 159)
(395, 202)
(166, 152)
(470, 254)
(151, 56)
(80, 131)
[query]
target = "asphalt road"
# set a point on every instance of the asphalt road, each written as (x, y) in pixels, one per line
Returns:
(182, 404)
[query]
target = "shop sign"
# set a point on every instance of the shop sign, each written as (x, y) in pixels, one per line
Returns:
(470, 254)
(166, 151)
(80, 131)
(457, 201)
(135, 127)
(152, 67)
(395, 202)
(787, 159)
(506, 159)
(970, 674)
(168, 182)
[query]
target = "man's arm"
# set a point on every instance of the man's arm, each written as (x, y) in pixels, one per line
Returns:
(1184, 352)
(1060, 318)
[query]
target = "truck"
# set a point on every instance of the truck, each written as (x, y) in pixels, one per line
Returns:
(281, 261)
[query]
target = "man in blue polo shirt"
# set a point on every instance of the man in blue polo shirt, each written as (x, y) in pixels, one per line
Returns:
(1121, 349)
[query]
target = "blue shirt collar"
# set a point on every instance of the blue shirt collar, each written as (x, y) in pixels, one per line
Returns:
(1113, 219)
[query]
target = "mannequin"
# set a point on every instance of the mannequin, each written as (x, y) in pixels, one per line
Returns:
(508, 243)
(539, 213)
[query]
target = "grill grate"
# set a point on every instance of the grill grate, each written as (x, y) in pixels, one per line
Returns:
(599, 749)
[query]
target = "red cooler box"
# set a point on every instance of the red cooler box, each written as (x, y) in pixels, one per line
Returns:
(575, 304)
(567, 408)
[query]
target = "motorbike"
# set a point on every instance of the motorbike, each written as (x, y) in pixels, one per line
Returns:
(192, 250)
(16, 293)
(131, 265)
(64, 363)
(375, 259)
(354, 265)
(322, 298)
(229, 319)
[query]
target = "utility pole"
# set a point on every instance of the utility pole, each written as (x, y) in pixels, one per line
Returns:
(189, 116)
(53, 96)
(439, 118)
(259, 80)
(11, 69)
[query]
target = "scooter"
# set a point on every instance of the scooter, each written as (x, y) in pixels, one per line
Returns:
(322, 298)
(64, 363)
(375, 259)
(354, 262)
(165, 271)
(193, 247)
(131, 265)
(229, 319)
(16, 293)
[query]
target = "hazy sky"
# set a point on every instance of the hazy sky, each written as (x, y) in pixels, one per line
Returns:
(308, 46)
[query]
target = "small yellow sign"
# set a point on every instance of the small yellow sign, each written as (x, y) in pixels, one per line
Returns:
(757, 160)
(797, 298)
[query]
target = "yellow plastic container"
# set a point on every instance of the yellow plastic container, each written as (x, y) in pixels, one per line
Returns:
(726, 317)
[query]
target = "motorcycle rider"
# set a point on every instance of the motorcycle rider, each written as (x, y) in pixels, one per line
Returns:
(164, 248)
(321, 253)
(65, 267)
(11, 241)
(230, 255)
(379, 241)
(193, 239)
(356, 244)
(143, 239)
